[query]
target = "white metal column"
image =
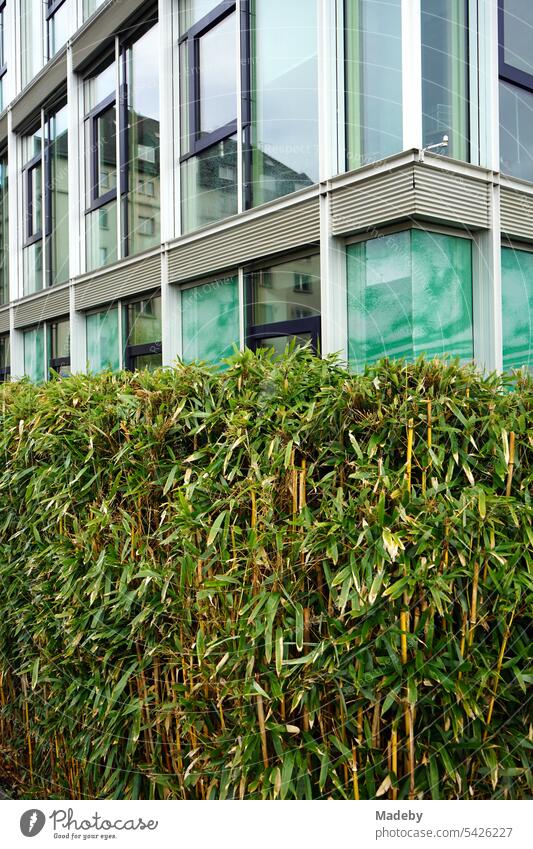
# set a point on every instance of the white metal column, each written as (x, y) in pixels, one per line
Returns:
(412, 74)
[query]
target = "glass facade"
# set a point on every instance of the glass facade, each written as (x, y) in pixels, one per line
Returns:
(517, 309)
(90, 6)
(4, 231)
(3, 57)
(59, 347)
(445, 76)
(5, 357)
(56, 25)
(31, 39)
(373, 63)
(409, 294)
(283, 152)
(57, 190)
(103, 347)
(210, 320)
(516, 88)
(143, 334)
(34, 354)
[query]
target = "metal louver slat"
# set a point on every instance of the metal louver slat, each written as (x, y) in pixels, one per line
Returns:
(380, 199)
(451, 197)
(4, 320)
(516, 213)
(131, 279)
(50, 304)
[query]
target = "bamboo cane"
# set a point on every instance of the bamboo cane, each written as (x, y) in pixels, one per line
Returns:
(354, 774)
(510, 467)
(499, 663)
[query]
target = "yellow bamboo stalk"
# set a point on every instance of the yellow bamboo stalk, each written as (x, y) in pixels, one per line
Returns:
(409, 713)
(403, 636)
(354, 774)
(501, 655)
(262, 729)
(253, 521)
(463, 642)
(510, 467)
(303, 496)
(408, 467)
(473, 604)
(394, 759)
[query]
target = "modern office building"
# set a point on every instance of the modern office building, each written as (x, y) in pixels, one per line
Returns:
(183, 176)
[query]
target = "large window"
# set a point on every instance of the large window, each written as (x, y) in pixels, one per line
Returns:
(373, 65)
(210, 320)
(208, 87)
(56, 13)
(143, 333)
(34, 354)
(445, 72)
(282, 153)
(90, 6)
(410, 293)
(517, 308)
(5, 357)
(59, 347)
(31, 36)
(123, 153)
(103, 340)
(4, 232)
(516, 87)
(45, 197)
(283, 303)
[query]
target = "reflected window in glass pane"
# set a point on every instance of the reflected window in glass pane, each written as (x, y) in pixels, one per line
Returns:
(58, 169)
(32, 261)
(34, 366)
(144, 321)
(209, 185)
(518, 34)
(409, 294)
(445, 74)
(517, 309)
(284, 98)
(32, 57)
(286, 292)
(192, 11)
(106, 162)
(101, 236)
(218, 83)
(142, 204)
(280, 343)
(210, 320)
(374, 123)
(98, 87)
(103, 341)
(516, 131)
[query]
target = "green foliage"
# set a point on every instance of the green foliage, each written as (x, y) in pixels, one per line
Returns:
(279, 581)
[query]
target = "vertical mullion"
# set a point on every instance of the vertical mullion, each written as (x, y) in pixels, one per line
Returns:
(120, 252)
(411, 75)
(238, 60)
(44, 247)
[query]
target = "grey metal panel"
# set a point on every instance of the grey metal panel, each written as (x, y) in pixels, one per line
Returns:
(278, 231)
(451, 197)
(52, 303)
(120, 282)
(380, 199)
(98, 31)
(516, 209)
(3, 127)
(41, 88)
(4, 320)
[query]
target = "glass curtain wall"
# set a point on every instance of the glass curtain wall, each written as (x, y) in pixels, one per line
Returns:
(373, 63)
(281, 155)
(31, 39)
(445, 76)
(143, 334)
(516, 87)
(208, 97)
(4, 231)
(34, 354)
(59, 347)
(33, 201)
(3, 60)
(56, 25)
(57, 196)
(517, 309)
(5, 357)
(103, 349)
(410, 293)
(210, 320)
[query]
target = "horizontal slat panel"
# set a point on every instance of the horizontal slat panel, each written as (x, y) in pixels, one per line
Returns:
(51, 304)
(451, 197)
(4, 321)
(261, 236)
(516, 213)
(381, 199)
(45, 84)
(121, 282)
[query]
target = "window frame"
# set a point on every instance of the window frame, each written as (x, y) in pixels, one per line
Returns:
(509, 73)
(3, 67)
(51, 7)
(5, 371)
(96, 200)
(131, 352)
(55, 363)
(31, 237)
(191, 38)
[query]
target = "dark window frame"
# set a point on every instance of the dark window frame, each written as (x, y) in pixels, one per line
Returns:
(197, 143)
(55, 363)
(131, 352)
(96, 200)
(52, 6)
(31, 236)
(3, 67)
(509, 73)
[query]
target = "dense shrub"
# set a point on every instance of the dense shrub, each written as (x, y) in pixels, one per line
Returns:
(277, 581)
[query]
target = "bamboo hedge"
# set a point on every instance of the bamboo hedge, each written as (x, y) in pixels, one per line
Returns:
(275, 581)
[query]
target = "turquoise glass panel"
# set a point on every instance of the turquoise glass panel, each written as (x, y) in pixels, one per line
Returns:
(517, 308)
(34, 354)
(103, 341)
(410, 293)
(210, 320)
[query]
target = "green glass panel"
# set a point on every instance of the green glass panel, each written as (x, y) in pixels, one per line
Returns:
(58, 158)
(445, 73)
(284, 97)
(101, 236)
(409, 294)
(103, 341)
(516, 131)
(4, 233)
(32, 258)
(209, 185)
(374, 126)
(286, 292)
(59, 339)
(210, 320)
(31, 46)
(142, 202)
(148, 362)
(144, 322)
(5, 353)
(518, 28)
(517, 309)
(34, 366)
(279, 344)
